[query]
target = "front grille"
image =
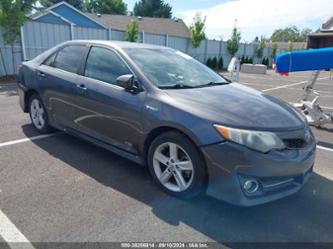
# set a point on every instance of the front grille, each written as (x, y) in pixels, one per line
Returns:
(295, 143)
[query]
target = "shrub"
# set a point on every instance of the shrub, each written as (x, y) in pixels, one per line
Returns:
(214, 63)
(242, 60)
(250, 61)
(209, 62)
(265, 61)
(220, 63)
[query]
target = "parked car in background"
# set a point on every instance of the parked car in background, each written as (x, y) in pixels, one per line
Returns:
(196, 131)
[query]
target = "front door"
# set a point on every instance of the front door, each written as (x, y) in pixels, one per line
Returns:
(107, 111)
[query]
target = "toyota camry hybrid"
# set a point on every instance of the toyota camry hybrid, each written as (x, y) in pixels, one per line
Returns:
(196, 131)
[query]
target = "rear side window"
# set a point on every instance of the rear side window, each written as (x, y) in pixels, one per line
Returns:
(105, 65)
(49, 61)
(69, 58)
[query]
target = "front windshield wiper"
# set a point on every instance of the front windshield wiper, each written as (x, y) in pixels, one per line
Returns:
(213, 83)
(176, 86)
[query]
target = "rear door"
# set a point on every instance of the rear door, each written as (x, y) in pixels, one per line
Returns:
(57, 77)
(107, 111)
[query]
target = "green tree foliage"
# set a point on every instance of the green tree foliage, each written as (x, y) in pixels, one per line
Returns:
(234, 42)
(116, 7)
(152, 8)
(292, 34)
(197, 30)
(75, 3)
(28, 5)
(220, 63)
(261, 47)
(132, 31)
(11, 18)
(274, 50)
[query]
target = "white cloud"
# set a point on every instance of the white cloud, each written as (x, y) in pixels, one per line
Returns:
(261, 17)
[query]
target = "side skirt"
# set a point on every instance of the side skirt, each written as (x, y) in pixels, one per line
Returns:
(132, 157)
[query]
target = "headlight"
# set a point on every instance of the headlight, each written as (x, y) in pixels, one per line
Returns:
(258, 140)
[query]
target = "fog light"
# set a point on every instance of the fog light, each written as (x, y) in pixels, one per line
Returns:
(251, 186)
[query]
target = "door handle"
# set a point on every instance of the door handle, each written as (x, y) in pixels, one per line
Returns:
(41, 74)
(81, 86)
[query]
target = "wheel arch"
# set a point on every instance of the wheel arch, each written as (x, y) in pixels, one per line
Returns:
(154, 133)
(27, 96)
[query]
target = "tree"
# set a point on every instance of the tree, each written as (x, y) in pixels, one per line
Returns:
(291, 46)
(274, 50)
(304, 34)
(292, 34)
(12, 16)
(197, 30)
(261, 47)
(234, 41)
(28, 5)
(152, 8)
(132, 31)
(116, 7)
(220, 63)
(75, 3)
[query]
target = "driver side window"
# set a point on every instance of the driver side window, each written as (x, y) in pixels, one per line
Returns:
(105, 65)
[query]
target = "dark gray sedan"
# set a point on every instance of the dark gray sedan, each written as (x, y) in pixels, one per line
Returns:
(195, 130)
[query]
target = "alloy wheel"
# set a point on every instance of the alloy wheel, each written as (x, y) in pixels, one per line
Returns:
(173, 167)
(37, 113)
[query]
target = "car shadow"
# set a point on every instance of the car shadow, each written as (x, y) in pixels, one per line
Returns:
(303, 217)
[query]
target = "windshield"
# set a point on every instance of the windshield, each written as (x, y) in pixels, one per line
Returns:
(168, 68)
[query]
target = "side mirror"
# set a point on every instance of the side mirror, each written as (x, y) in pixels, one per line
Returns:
(126, 81)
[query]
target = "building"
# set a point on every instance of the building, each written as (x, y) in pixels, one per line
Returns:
(64, 13)
(323, 38)
(151, 25)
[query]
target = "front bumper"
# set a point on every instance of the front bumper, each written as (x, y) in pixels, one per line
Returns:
(279, 173)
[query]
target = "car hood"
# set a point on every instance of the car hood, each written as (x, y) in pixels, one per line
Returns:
(238, 106)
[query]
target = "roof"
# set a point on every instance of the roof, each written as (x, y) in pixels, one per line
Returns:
(328, 24)
(67, 13)
(152, 25)
(322, 34)
(118, 44)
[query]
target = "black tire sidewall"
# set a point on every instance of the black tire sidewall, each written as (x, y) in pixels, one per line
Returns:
(199, 182)
(45, 128)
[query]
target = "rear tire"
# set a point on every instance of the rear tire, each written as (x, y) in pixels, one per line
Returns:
(38, 114)
(177, 166)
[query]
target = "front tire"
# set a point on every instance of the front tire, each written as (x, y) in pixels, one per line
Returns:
(38, 115)
(177, 166)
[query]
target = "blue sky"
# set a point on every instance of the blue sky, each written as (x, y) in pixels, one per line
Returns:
(254, 17)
